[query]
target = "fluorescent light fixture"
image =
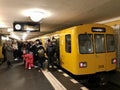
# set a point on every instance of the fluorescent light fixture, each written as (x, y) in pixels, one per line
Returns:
(10, 29)
(2, 25)
(24, 36)
(14, 36)
(109, 20)
(5, 38)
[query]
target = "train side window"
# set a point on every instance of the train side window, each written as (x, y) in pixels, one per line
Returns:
(85, 43)
(99, 43)
(110, 43)
(68, 43)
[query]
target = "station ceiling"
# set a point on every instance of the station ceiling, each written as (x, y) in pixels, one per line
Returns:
(63, 13)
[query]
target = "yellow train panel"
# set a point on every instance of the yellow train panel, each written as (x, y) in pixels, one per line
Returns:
(95, 62)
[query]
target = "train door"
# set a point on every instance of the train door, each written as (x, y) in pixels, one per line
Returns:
(117, 42)
(65, 51)
(111, 54)
(100, 50)
(61, 48)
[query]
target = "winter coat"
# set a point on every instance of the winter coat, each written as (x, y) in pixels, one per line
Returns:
(9, 53)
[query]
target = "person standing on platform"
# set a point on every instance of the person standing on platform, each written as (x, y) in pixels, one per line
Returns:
(15, 51)
(9, 53)
(50, 50)
(34, 50)
(41, 55)
(54, 43)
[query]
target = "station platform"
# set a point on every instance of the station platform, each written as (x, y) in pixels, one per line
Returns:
(19, 78)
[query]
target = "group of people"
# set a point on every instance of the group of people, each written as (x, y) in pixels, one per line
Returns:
(44, 56)
(34, 53)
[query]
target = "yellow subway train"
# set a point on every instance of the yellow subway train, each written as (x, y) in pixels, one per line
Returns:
(85, 49)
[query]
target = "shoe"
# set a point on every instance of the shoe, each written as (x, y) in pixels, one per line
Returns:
(39, 70)
(35, 66)
(50, 66)
(29, 68)
(16, 59)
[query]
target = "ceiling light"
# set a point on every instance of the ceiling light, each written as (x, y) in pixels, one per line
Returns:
(36, 16)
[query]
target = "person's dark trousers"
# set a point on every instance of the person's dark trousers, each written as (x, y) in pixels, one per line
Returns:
(41, 61)
(9, 64)
(4, 59)
(35, 59)
(50, 61)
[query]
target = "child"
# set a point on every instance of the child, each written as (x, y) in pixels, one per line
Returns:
(28, 57)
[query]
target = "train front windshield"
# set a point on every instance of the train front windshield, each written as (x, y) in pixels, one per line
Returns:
(86, 43)
(99, 43)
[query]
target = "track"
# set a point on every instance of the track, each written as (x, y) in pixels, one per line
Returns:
(108, 86)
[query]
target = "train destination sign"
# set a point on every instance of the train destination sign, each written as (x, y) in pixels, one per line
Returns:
(94, 29)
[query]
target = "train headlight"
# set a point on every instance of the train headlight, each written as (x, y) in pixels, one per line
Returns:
(83, 64)
(114, 61)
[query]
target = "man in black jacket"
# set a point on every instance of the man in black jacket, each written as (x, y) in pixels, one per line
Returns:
(50, 51)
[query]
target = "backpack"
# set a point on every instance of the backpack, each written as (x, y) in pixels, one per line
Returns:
(41, 52)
